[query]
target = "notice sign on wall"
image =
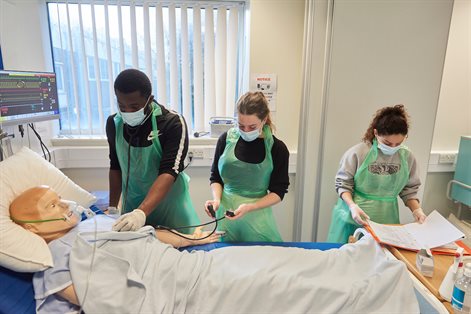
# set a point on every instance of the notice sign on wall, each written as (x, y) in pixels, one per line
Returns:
(265, 83)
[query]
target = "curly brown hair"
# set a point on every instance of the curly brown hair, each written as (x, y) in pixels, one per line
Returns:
(255, 103)
(388, 121)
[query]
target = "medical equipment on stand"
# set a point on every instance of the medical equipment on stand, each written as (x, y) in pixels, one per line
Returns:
(5, 145)
(219, 125)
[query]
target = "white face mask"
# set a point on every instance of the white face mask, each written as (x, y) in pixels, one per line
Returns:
(250, 136)
(388, 150)
(136, 117)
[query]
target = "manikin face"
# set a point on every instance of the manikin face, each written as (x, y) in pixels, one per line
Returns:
(42, 211)
(392, 140)
(249, 123)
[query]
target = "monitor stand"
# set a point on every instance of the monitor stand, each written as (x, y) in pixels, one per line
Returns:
(5, 145)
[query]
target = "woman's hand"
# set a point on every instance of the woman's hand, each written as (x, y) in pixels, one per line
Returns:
(419, 215)
(215, 204)
(358, 214)
(241, 211)
(199, 233)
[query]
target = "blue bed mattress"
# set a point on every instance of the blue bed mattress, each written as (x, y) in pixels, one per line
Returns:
(16, 289)
(305, 245)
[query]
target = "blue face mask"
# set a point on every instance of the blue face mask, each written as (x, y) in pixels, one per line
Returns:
(388, 150)
(250, 136)
(134, 118)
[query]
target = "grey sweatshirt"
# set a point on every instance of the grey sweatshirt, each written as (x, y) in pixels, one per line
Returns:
(354, 157)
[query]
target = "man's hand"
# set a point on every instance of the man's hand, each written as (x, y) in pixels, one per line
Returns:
(419, 215)
(131, 221)
(358, 214)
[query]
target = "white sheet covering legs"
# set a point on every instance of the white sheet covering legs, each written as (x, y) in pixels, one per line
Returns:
(151, 277)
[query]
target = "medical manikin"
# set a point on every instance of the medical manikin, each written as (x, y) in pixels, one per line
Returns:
(136, 272)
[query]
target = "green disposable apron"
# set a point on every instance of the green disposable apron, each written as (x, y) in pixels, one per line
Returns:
(176, 208)
(375, 193)
(246, 183)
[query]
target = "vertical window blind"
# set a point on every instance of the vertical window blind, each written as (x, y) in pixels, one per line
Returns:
(193, 52)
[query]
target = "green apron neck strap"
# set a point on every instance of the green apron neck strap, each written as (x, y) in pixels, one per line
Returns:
(156, 109)
(267, 132)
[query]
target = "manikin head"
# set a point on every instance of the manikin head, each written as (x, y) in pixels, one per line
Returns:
(42, 211)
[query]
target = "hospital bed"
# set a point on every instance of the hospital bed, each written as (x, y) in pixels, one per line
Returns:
(16, 289)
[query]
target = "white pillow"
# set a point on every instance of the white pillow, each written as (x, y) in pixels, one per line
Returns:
(21, 250)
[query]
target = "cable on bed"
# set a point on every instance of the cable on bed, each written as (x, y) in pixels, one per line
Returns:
(89, 275)
(213, 214)
(173, 230)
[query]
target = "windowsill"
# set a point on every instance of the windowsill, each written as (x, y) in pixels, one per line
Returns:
(79, 140)
(91, 151)
(100, 140)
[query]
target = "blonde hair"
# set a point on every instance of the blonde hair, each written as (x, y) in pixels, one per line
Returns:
(255, 103)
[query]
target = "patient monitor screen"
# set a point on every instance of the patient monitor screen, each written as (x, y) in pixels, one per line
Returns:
(27, 97)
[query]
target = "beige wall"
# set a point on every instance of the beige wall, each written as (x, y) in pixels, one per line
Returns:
(276, 43)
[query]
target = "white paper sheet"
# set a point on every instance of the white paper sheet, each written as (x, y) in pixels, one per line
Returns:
(434, 232)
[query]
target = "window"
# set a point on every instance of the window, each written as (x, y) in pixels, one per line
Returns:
(193, 52)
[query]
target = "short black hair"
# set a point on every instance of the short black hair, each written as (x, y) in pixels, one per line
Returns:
(131, 80)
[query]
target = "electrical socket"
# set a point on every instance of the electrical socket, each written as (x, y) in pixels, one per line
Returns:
(196, 153)
(447, 158)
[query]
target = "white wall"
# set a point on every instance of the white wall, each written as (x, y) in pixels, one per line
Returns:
(454, 109)
(24, 42)
(26, 47)
(454, 106)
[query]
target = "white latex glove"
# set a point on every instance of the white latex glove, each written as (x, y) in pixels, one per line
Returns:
(131, 221)
(358, 214)
(419, 215)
